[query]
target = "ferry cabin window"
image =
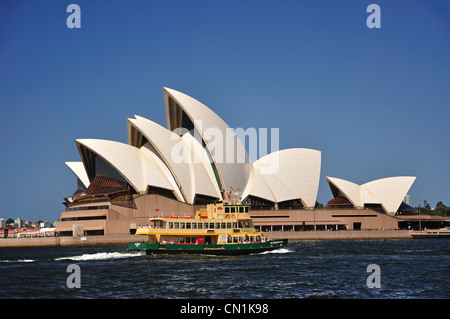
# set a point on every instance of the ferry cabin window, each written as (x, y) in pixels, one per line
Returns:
(200, 225)
(211, 225)
(246, 209)
(182, 225)
(244, 224)
(227, 210)
(194, 225)
(235, 239)
(222, 225)
(177, 225)
(217, 225)
(170, 225)
(232, 209)
(188, 225)
(228, 225)
(241, 209)
(235, 224)
(190, 240)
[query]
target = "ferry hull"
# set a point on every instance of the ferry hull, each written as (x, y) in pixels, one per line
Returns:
(430, 236)
(225, 249)
(432, 233)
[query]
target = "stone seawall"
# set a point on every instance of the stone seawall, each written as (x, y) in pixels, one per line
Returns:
(125, 239)
(67, 241)
(342, 234)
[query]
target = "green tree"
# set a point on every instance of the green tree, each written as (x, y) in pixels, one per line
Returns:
(424, 210)
(441, 209)
(440, 204)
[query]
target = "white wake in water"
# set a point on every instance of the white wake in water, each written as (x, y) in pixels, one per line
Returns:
(18, 261)
(99, 256)
(277, 251)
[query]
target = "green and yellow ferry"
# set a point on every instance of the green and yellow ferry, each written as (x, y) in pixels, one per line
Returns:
(224, 228)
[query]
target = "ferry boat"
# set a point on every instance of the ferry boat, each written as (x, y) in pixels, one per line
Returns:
(432, 233)
(224, 228)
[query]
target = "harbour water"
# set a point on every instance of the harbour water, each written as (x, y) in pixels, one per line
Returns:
(306, 269)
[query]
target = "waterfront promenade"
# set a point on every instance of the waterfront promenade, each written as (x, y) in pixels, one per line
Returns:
(125, 239)
(67, 241)
(341, 234)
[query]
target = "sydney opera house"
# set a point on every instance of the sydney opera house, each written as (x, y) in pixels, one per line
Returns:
(199, 159)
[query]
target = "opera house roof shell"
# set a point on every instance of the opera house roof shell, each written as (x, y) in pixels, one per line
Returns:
(386, 192)
(186, 160)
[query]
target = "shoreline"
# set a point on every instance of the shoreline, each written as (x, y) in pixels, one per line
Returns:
(126, 239)
(341, 234)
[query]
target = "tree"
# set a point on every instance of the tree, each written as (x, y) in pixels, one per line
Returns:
(318, 205)
(424, 210)
(440, 204)
(441, 209)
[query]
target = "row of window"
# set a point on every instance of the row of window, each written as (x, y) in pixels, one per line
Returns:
(88, 208)
(236, 209)
(71, 219)
(184, 240)
(230, 239)
(228, 225)
(243, 239)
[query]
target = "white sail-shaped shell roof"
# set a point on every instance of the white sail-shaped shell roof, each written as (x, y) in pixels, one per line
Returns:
(388, 192)
(165, 142)
(286, 175)
(78, 169)
(231, 173)
(205, 183)
(349, 190)
(257, 186)
(178, 154)
(154, 167)
(138, 167)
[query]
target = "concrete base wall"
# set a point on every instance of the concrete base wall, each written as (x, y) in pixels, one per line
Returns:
(344, 234)
(68, 241)
(29, 242)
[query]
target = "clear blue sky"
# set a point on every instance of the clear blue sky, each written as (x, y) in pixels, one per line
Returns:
(375, 102)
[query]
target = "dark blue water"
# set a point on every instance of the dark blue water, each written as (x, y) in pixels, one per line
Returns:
(307, 269)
